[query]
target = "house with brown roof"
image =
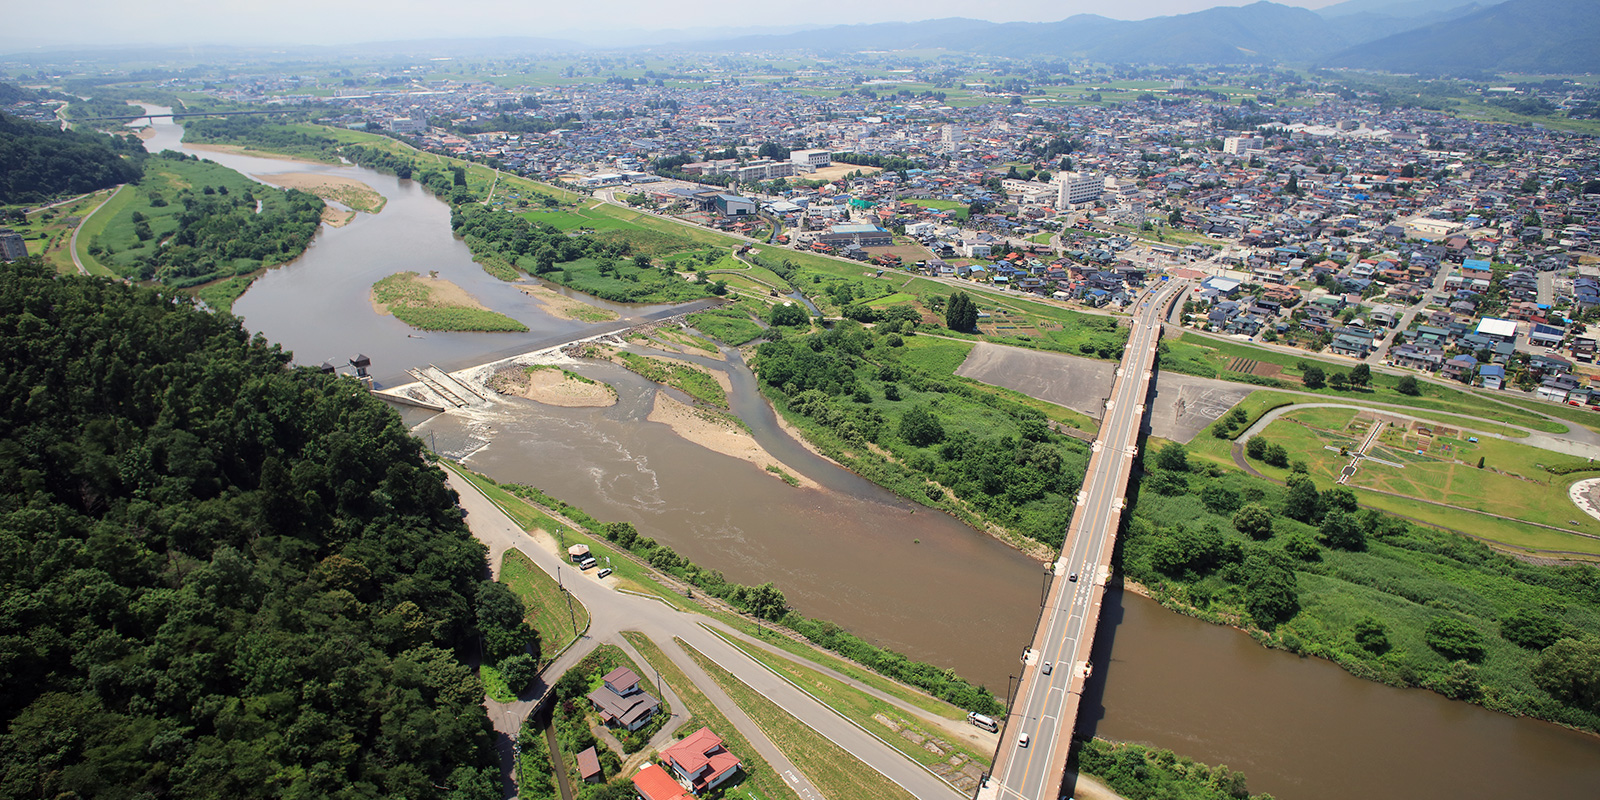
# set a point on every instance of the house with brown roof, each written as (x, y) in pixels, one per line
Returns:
(621, 702)
(700, 762)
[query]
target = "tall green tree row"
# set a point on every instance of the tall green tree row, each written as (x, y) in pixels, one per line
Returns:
(221, 576)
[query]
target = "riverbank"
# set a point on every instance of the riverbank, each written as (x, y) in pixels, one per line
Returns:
(240, 150)
(553, 386)
(561, 306)
(720, 434)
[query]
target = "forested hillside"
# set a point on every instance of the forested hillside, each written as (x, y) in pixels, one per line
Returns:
(222, 577)
(38, 161)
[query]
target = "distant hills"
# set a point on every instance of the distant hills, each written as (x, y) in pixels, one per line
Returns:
(1540, 36)
(1413, 36)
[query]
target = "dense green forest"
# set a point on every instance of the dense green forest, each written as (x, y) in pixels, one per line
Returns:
(951, 443)
(262, 133)
(1306, 570)
(223, 577)
(192, 222)
(39, 162)
(601, 268)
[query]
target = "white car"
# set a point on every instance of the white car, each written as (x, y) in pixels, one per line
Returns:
(1022, 740)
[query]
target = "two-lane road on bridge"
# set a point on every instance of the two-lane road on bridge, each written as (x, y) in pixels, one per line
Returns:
(1046, 708)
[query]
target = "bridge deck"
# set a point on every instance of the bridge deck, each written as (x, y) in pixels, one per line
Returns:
(1046, 706)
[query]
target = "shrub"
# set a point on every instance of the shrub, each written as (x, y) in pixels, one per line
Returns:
(1454, 639)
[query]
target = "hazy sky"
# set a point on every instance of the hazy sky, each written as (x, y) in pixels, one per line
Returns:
(289, 22)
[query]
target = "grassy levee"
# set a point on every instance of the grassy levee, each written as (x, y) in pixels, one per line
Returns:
(93, 228)
(555, 614)
(860, 708)
(733, 324)
(1371, 602)
(1211, 358)
(833, 769)
(759, 775)
(1582, 416)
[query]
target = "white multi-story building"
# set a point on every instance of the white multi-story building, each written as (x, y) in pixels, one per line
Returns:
(1239, 145)
(1078, 187)
(810, 159)
(951, 137)
(408, 125)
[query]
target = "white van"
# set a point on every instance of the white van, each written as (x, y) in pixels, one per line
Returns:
(985, 722)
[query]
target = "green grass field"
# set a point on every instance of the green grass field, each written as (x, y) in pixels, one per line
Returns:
(861, 708)
(689, 380)
(1512, 484)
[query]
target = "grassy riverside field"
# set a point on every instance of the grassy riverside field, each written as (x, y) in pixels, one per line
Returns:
(1385, 599)
(833, 769)
(886, 406)
(1513, 482)
(688, 379)
(760, 782)
(140, 234)
(430, 306)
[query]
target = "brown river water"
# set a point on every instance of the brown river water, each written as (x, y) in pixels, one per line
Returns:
(900, 575)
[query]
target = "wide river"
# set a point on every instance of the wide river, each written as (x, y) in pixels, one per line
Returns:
(900, 575)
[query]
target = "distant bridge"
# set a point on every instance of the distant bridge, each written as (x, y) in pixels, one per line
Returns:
(177, 114)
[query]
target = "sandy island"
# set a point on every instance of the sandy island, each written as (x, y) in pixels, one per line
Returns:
(243, 151)
(348, 192)
(716, 434)
(553, 386)
(561, 306)
(440, 292)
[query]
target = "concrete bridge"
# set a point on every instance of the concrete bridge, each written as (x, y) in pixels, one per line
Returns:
(1032, 757)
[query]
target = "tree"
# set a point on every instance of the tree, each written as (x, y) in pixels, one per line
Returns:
(1360, 375)
(1256, 447)
(1340, 530)
(1408, 385)
(1341, 498)
(1271, 591)
(961, 313)
(1371, 635)
(1302, 547)
(788, 315)
(1312, 377)
(1529, 628)
(518, 670)
(1254, 521)
(1220, 499)
(1338, 381)
(1276, 455)
(1302, 502)
(1173, 457)
(1569, 670)
(1454, 638)
(920, 428)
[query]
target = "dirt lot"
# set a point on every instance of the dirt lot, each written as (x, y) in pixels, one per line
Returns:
(1182, 405)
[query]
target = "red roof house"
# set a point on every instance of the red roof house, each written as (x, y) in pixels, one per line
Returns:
(655, 783)
(700, 761)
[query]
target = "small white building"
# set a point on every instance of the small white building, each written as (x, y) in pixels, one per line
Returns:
(811, 159)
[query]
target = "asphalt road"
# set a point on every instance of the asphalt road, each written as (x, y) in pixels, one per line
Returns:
(612, 612)
(1047, 704)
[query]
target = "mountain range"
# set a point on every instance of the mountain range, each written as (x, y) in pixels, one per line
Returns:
(1414, 36)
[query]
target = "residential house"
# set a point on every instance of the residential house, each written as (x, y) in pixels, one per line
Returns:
(1556, 388)
(655, 783)
(589, 766)
(1460, 368)
(700, 762)
(621, 702)
(1493, 376)
(1546, 335)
